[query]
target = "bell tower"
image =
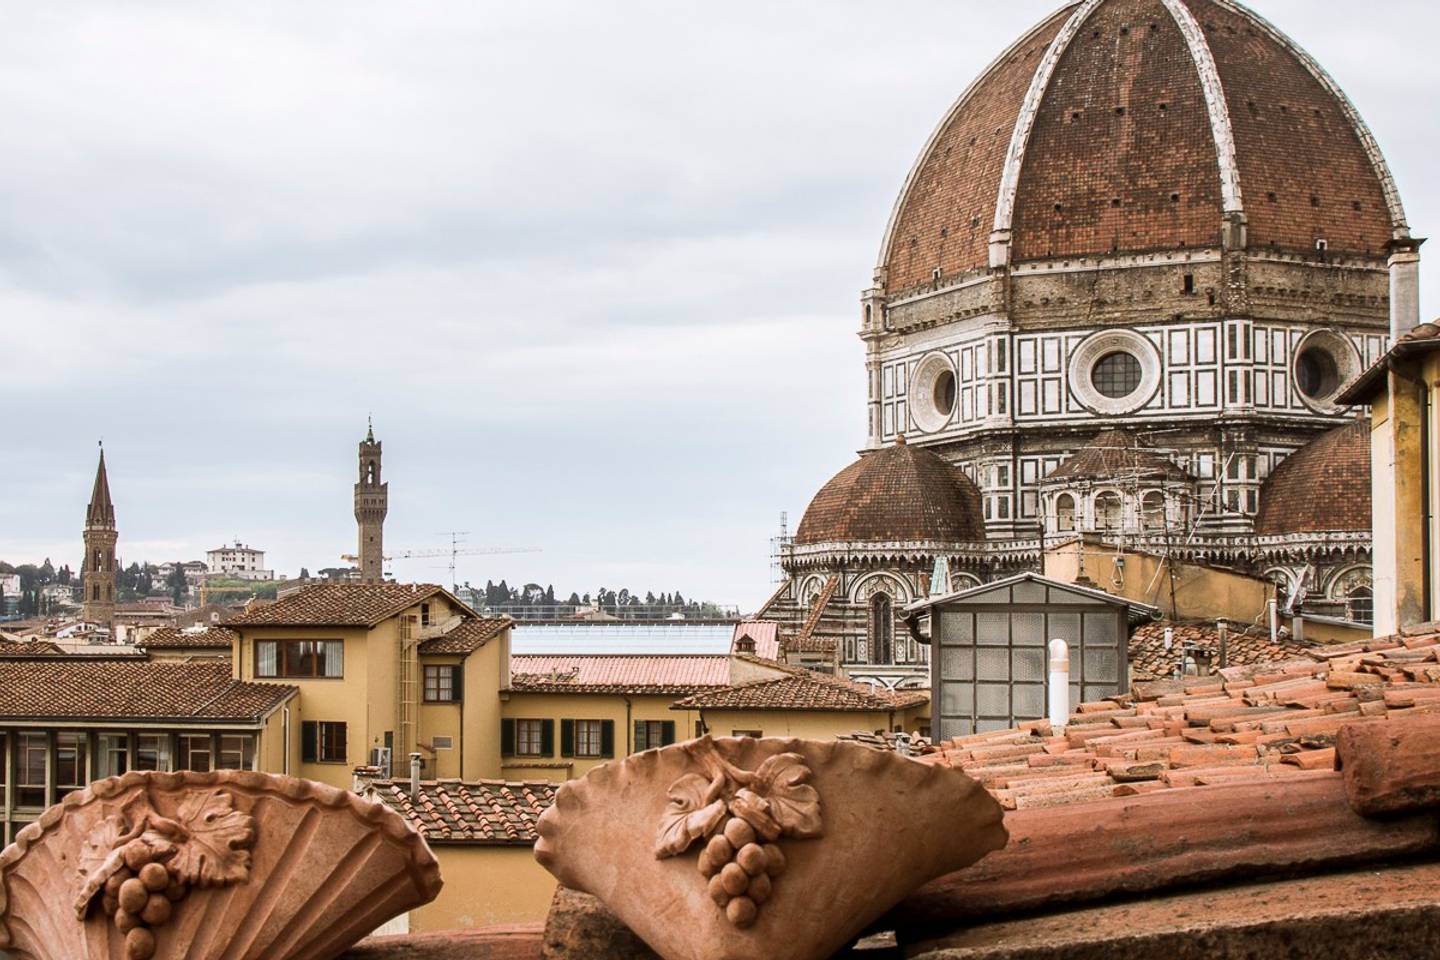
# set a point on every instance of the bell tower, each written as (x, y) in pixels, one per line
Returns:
(98, 568)
(372, 502)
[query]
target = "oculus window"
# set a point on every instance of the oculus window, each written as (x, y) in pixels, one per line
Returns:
(1116, 375)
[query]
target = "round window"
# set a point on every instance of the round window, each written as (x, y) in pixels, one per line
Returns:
(1116, 375)
(1316, 373)
(1323, 363)
(945, 392)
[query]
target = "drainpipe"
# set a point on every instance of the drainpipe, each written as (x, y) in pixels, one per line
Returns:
(1222, 626)
(414, 776)
(1059, 685)
(629, 728)
(1274, 620)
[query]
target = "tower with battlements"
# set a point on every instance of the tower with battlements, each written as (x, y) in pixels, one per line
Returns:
(372, 502)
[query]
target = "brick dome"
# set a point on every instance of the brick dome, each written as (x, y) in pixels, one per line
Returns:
(897, 494)
(1132, 126)
(1322, 487)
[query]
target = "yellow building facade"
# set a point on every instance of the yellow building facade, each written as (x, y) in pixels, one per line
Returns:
(1403, 390)
(383, 671)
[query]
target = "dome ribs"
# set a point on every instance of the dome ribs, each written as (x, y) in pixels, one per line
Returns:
(1299, 142)
(1122, 127)
(1142, 155)
(953, 185)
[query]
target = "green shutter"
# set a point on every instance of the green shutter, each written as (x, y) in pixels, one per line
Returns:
(567, 738)
(457, 682)
(641, 744)
(607, 738)
(309, 740)
(507, 738)
(547, 738)
(667, 732)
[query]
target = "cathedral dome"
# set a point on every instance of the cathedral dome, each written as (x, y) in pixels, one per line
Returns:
(1322, 487)
(1134, 126)
(897, 494)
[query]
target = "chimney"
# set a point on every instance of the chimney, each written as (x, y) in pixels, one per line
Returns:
(1404, 286)
(415, 776)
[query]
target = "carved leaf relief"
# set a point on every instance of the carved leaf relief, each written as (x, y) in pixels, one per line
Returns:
(216, 850)
(782, 779)
(689, 816)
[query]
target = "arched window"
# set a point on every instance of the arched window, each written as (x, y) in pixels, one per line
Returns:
(1064, 513)
(97, 566)
(95, 592)
(1282, 590)
(882, 629)
(1360, 602)
(1109, 510)
(1152, 509)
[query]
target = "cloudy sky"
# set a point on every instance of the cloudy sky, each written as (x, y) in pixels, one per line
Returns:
(593, 266)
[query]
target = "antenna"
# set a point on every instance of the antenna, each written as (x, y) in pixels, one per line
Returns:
(456, 541)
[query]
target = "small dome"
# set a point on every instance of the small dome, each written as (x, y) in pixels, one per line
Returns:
(1322, 487)
(901, 493)
(1116, 455)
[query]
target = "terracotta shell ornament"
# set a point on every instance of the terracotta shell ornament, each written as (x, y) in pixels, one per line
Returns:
(204, 865)
(749, 849)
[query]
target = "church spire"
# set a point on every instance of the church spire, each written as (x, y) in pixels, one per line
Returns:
(101, 512)
(97, 572)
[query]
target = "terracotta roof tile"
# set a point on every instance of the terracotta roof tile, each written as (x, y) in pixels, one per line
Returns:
(899, 493)
(481, 812)
(1149, 660)
(803, 690)
(1323, 486)
(1259, 722)
(659, 674)
(132, 689)
(470, 635)
(168, 638)
(338, 605)
(765, 635)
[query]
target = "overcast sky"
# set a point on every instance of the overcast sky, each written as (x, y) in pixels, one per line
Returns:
(593, 266)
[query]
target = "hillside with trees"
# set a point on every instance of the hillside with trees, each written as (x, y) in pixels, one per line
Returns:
(534, 602)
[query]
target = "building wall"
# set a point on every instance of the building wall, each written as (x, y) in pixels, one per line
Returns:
(1405, 473)
(485, 885)
(323, 699)
(623, 711)
(810, 724)
(485, 671)
(1200, 592)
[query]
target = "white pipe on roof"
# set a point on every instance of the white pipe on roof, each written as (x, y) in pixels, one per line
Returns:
(1059, 684)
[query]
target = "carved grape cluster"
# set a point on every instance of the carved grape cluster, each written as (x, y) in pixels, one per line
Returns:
(741, 814)
(140, 863)
(140, 897)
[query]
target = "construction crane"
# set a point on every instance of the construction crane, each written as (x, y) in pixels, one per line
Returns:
(456, 550)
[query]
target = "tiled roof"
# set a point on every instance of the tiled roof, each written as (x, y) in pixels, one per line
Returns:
(1115, 454)
(765, 634)
(1323, 486)
(803, 690)
(1149, 660)
(165, 638)
(468, 636)
(456, 811)
(899, 493)
(1153, 178)
(338, 605)
(660, 674)
(132, 689)
(29, 648)
(1263, 722)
